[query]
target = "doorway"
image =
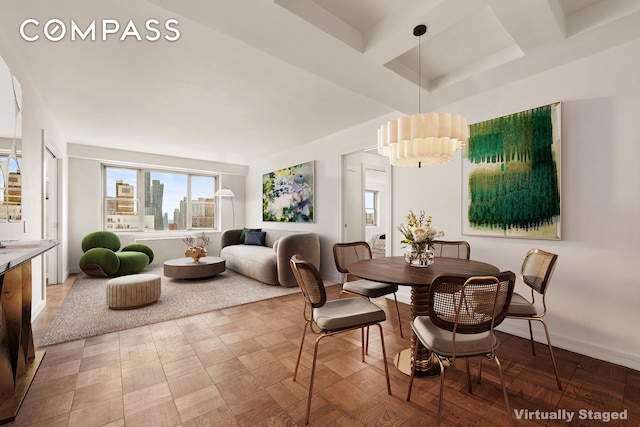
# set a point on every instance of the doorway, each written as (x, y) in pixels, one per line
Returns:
(366, 192)
(51, 173)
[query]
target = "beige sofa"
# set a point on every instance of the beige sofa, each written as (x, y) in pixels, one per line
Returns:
(269, 263)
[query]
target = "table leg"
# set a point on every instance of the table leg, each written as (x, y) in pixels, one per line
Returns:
(425, 365)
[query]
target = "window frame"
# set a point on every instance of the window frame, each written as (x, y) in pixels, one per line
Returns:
(140, 197)
(376, 219)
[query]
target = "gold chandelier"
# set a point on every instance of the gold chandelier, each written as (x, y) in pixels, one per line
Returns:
(422, 139)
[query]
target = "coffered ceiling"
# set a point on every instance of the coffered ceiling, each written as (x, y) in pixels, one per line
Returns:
(249, 79)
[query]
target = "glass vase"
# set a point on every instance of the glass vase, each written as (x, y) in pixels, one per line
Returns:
(418, 257)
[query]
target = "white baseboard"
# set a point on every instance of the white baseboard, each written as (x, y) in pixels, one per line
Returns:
(591, 349)
(520, 329)
(37, 309)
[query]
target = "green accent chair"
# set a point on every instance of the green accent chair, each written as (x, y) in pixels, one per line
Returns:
(101, 256)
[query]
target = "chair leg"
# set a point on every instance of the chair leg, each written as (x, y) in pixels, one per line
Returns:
(468, 375)
(304, 332)
(363, 344)
(398, 311)
(414, 354)
(504, 391)
(384, 358)
(553, 359)
(533, 347)
(366, 347)
(313, 374)
(367, 341)
(480, 370)
(441, 390)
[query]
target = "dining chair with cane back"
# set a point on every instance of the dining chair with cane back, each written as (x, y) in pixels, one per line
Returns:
(462, 316)
(332, 317)
(536, 271)
(345, 254)
(450, 249)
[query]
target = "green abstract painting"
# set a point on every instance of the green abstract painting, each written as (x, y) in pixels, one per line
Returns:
(511, 175)
(287, 194)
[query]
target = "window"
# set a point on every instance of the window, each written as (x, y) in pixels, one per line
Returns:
(154, 200)
(203, 201)
(371, 208)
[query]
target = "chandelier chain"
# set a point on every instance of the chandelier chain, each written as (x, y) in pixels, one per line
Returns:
(420, 74)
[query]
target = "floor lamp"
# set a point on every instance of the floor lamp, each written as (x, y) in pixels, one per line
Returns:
(225, 192)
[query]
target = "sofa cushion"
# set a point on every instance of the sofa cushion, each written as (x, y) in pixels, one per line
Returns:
(255, 238)
(274, 235)
(257, 262)
(243, 233)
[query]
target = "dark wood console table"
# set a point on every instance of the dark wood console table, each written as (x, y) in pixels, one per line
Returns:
(18, 359)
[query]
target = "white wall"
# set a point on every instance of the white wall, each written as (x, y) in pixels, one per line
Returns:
(85, 200)
(327, 154)
(35, 119)
(595, 291)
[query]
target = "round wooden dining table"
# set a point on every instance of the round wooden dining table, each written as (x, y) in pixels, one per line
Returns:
(395, 270)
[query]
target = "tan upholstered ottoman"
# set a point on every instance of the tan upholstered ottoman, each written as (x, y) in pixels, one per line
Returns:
(133, 291)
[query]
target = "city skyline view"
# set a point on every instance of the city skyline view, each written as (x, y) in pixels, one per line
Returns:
(170, 188)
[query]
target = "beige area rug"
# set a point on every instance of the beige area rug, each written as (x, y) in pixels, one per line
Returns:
(84, 312)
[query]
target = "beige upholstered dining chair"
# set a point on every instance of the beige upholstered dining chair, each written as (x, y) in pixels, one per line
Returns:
(332, 317)
(451, 249)
(462, 316)
(536, 271)
(345, 254)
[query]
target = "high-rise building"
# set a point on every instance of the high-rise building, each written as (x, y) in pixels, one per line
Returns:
(157, 193)
(125, 191)
(202, 212)
(148, 207)
(180, 217)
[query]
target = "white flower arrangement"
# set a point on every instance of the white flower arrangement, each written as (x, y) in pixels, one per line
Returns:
(418, 233)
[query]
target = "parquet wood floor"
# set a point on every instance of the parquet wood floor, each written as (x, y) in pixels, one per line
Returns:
(234, 367)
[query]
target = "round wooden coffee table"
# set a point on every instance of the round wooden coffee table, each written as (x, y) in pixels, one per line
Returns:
(186, 268)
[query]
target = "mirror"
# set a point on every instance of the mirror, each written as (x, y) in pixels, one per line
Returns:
(10, 146)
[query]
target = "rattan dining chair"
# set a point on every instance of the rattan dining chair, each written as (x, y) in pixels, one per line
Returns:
(462, 316)
(345, 254)
(536, 271)
(450, 249)
(332, 317)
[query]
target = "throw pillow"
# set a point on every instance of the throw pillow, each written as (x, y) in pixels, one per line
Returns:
(255, 238)
(243, 233)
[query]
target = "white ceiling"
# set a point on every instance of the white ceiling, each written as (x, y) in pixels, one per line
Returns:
(251, 78)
